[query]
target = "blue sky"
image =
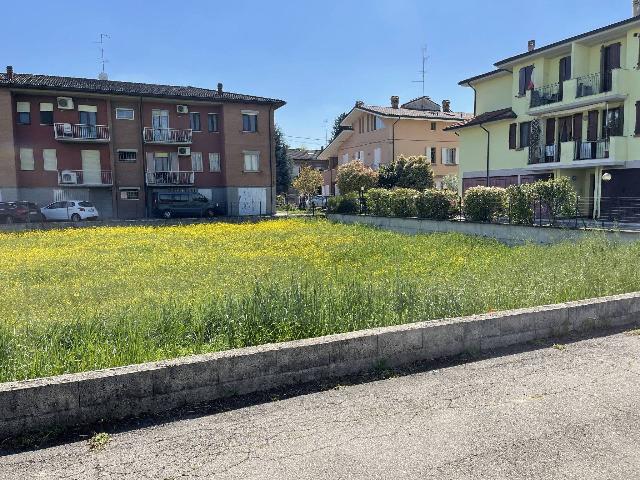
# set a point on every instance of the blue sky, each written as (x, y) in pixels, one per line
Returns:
(319, 56)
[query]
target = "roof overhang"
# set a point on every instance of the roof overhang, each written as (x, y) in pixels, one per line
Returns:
(495, 73)
(331, 150)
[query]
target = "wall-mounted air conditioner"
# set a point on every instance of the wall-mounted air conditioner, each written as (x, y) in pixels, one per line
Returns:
(184, 151)
(182, 109)
(65, 103)
(68, 177)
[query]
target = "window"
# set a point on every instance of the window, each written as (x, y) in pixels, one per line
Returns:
(194, 118)
(50, 159)
(345, 158)
(379, 123)
(613, 123)
(127, 156)
(212, 119)
(88, 114)
(214, 162)
(162, 163)
(26, 159)
(449, 156)
(196, 161)
(130, 193)
(23, 110)
(525, 130)
(526, 80)
(434, 151)
(377, 158)
(251, 161)
(638, 118)
(513, 132)
(249, 122)
(434, 126)
(46, 114)
(124, 114)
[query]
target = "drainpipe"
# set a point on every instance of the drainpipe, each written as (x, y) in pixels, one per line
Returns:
(393, 136)
(488, 149)
(271, 159)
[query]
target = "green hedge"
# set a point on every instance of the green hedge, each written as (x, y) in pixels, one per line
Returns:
(484, 204)
(403, 202)
(378, 202)
(349, 203)
(521, 200)
(437, 204)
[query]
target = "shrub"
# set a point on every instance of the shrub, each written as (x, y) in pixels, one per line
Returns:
(450, 182)
(437, 204)
(403, 202)
(379, 202)
(521, 201)
(557, 195)
(407, 172)
(355, 175)
(344, 204)
(483, 204)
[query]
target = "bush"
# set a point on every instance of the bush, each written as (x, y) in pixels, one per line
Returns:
(558, 197)
(437, 204)
(521, 202)
(483, 204)
(378, 202)
(355, 175)
(344, 204)
(407, 172)
(403, 202)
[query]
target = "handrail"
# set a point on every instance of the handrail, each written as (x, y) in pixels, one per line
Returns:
(167, 135)
(170, 178)
(85, 177)
(81, 131)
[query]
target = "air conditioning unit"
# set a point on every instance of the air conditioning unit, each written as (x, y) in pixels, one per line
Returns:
(65, 103)
(184, 151)
(182, 109)
(68, 177)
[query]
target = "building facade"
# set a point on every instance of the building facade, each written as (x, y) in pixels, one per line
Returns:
(375, 135)
(571, 109)
(304, 158)
(118, 144)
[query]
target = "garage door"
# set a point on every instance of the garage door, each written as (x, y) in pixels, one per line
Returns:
(253, 201)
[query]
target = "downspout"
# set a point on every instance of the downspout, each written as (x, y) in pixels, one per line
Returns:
(393, 139)
(488, 149)
(271, 159)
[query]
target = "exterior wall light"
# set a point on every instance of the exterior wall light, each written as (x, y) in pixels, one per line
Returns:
(606, 177)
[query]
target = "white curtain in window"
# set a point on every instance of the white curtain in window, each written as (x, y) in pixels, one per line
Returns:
(196, 161)
(50, 159)
(251, 160)
(175, 163)
(26, 159)
(214, 162)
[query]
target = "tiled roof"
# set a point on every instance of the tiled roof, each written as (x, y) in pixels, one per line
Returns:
(112, 87)
(301, 154)
(487, 117)
(425, 103)
(410, 113)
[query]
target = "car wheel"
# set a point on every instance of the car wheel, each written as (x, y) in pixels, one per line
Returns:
(166, 214)
(209, 213)
(75, 217)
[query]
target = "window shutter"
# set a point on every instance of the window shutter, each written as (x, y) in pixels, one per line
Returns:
(457, 160)
(522, 86)
(50, 159)
(512, 136)
(445, 155)
(638, 118)
(151, 164)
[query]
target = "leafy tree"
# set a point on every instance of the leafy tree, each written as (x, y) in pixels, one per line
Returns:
(336, 126)
(283, 164)
(308, 181)
(450, 182)
(407, 172)
(355, 175)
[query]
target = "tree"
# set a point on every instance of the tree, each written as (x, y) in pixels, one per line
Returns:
(450, 182)
(308, 181)
(283, 164)
(354, 176)
(407, 172)
(336, 126)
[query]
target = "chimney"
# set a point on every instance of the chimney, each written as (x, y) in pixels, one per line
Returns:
(359, 103)
(395, 101)
(9, 73)
(220, 88)
(636, 8)
(532, 45)
(446, 106)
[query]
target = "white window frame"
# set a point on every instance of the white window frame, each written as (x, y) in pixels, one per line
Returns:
(199, 120)
(214, 159)
(377, 158)
(50, 159)
(122, 109)
(196, 162)
(217, 117)
(255, 161)
(27, 162)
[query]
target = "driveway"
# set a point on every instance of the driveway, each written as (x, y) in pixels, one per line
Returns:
(564, 412)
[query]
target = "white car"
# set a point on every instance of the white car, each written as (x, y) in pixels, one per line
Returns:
(74, 210)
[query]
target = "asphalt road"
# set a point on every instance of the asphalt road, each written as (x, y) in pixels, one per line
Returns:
(551, 413)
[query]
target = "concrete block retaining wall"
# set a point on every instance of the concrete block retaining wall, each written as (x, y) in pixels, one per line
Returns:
(509, 234)
(117, 393)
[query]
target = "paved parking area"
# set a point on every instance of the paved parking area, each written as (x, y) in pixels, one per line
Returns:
(564, 412)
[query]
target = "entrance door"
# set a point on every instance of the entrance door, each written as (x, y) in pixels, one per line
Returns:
(160, 124)
(91, 167)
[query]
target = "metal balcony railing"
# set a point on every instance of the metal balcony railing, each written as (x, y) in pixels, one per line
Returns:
(543, 154)
(546, 95)
(85, 178)
(170, 178)
(592, 150)
(168, 135)
(69, 132)
(591, 84)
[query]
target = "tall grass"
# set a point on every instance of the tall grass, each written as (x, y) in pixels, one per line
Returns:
(77, 300)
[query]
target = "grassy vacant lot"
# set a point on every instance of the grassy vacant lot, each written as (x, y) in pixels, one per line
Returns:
(75, 300)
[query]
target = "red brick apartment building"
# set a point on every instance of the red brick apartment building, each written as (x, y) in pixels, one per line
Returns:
(118, 143)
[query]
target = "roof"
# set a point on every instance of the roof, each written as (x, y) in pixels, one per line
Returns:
(411, 113)
(112, 87)
(302, 154)
(421, 103)
(487, 117)
(483, 75)
(331, 150)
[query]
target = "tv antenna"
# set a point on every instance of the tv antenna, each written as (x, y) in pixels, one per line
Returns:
(102, 75)
(423, 71)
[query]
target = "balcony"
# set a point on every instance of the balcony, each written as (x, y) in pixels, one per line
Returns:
(543, 154)
(85, 178)
(68, 132)
(170, 178)
(546, 95)
(593, 84)
(592, 150)
(168, 136)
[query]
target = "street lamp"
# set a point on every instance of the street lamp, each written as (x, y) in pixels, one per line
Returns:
(361, 200)
(606, 177)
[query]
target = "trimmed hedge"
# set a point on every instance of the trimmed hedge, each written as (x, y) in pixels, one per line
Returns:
(521, 200)
(484, 204)
(379, 202)
(346, 204)
(437, 204)
(403, 202)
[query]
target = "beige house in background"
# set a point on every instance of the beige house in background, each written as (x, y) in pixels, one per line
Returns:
(376, 135)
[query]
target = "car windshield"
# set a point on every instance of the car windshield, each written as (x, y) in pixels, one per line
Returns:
(85, 204)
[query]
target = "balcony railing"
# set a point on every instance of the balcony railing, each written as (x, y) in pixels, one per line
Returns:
(85, 178)
(543, 154)
(593, 84)
(546, 95)
(592, 150)
(68, 132)
(170, 178)
(174, 136)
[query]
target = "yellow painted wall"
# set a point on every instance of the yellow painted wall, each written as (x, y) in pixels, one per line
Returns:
(493, 94)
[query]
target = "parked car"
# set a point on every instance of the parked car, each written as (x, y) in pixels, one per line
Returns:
(8, 212)
(29, 212)
(187, 204)
(317, 201)
(74, 210)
